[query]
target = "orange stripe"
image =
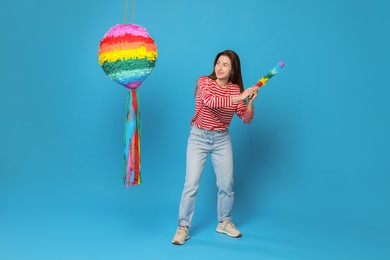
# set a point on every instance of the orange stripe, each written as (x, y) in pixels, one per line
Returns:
(126, 46)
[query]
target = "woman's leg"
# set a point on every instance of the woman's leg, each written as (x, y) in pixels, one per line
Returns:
(222, 158)
(197, 150)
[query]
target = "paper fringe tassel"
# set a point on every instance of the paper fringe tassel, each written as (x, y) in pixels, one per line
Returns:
(275, 70)
(131, 159)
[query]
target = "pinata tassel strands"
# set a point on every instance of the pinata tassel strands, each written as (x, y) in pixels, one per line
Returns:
(131, 160)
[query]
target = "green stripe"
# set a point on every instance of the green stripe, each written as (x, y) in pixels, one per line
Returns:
(120, 65)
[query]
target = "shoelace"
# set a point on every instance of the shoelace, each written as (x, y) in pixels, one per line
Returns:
(226, 223)
(181, 229)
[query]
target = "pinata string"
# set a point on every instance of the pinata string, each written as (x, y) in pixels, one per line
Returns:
(132, 11)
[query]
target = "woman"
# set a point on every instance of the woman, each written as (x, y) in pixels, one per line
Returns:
(218, 97)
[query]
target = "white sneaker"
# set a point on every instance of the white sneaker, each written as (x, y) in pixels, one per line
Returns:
(228, 228)
(181, 236)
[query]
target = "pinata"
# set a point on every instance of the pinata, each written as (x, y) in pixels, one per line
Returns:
(128, 54)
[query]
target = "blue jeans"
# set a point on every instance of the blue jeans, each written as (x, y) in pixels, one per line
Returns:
(202, 142)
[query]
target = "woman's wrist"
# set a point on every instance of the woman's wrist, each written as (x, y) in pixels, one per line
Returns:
(236, 99)
(250, 106)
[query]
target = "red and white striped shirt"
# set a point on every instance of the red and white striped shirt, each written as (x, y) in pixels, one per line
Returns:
(214, 108)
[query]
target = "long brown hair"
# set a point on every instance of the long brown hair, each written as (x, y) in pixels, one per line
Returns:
(235, 77)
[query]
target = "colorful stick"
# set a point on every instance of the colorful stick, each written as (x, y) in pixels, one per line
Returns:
(270, 74)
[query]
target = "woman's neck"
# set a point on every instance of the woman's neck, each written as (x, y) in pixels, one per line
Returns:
(223, 83)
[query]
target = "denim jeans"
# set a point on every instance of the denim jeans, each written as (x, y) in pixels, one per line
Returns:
(202, 142)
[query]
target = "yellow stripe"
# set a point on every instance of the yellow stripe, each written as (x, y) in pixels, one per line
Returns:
(264, 80)
(139, 53)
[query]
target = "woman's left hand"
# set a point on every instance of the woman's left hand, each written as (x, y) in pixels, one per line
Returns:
(255, 90)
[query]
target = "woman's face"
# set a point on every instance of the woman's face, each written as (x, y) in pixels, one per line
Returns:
(223, 68)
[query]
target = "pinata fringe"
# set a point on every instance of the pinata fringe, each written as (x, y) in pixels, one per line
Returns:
(132, 134)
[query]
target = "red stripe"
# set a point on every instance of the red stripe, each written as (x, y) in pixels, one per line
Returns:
(136, 139)
(136, 161)
(125, 38)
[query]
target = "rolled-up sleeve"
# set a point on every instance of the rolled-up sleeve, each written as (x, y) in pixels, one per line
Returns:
(243, 112)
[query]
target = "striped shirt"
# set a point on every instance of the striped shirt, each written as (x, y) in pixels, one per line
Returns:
(214, 108)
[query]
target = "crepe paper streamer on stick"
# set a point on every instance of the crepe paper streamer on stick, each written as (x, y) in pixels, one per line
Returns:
(128, 54)
(270, 74)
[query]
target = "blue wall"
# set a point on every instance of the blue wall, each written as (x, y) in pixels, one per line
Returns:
(312, 170)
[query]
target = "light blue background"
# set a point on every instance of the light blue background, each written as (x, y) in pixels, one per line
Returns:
(312, 170)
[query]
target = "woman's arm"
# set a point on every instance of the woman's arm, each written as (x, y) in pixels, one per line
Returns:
(246, 110)
(245, 94)
(252, 98)
(208, 98)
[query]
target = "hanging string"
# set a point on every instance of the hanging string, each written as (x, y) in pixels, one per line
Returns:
(132, 11)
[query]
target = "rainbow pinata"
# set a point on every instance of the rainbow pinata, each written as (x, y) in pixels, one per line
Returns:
(127, 54)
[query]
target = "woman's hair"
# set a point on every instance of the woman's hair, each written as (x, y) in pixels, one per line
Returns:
(236, 77)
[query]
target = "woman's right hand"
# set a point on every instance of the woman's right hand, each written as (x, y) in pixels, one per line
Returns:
(248, 93)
